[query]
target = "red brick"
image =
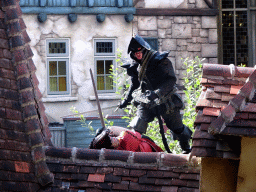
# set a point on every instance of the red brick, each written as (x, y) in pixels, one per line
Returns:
(204, 143)
(210, 94)
(22, 167)
(4, 43)
(214, 70)
(19, 55)
(22, 25)
(1, 14)
(7, 73)
(15, 186)
(132, 179)
(71, 168)
(96, 178)
(15, 105)
(204, 103)
(112, 154)
(41, 168)
(37, 154)
(250, 107)
(38, 94)
(13, 13)
(153, 188)
(174, 160)
(137, 173)
(88, 154)
(121, 171)
(219, 104)
(169, 189)
(112, 178)
(106, 170)
(85, 184)
(203, 152)
(78, 176)
(22, 69)
(29, 111)
(35, 80)
(202, 135)
(252, 116)
(25, 36)
(14, 85)
(226, 97)
(9, 3)
(28, 50)
(24, 83)
(223, 89)
(121, 186)
(13, 114)
(136, 187)
(242, 116)
(14, 135)
(204, 127)
(252, 78)
(234, 89)
(238, 102)
(35, 139)
(13, 28)
(170, 174)
(217, 125)
(7, 54)
(247, 90)
(27, 96)
(144, 157)
(5, 83)
(189, 176)
(5, 63)
(228, 113)
(88, 170)
(155, 174)
(200, 118)
(163, 181)
(146, 180)
(32, 125)
(211, 111)
(31, 66)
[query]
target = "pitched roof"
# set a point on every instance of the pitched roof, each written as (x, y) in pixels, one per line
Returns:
(23, 123)
(226, 110)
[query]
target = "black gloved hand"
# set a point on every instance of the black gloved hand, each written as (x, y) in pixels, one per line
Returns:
(123, 104)
(151, 95)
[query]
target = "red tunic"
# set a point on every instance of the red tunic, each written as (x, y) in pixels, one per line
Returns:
(132, 141)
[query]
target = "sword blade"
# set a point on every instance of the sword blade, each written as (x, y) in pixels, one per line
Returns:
(97, 100)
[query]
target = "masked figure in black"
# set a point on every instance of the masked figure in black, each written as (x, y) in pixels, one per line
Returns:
(153, 87)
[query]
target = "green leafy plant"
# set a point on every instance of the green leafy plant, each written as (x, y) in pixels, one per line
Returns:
(192, 78)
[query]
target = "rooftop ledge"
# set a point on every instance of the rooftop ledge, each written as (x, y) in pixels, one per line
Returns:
(124, 158)
(79, 10)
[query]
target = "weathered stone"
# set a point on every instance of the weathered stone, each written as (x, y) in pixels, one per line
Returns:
(181, 31)
(181, 42)
(169, 31)
(201, 40)
(209, 50)
(179, 56)
(147, 23)
(213, 60)
(161, 33)
(169, 44)
(180, 20)
(209, 22)
(195, 32)
(182, 48)
(164, 24)
(143, 33)
(213, 38)
(152, 33)
(201, 4)
(203, 33)
(194, 47)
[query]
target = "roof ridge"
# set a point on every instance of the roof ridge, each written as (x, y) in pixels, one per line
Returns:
(235, 105)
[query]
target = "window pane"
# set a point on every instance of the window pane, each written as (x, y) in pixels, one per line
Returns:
(53, 84)
(109, 83)
(227, 4)
(57, 47)
(108, 66)
(241, 38)
(62, 84)
(62, 68)
(241, 3)
(53, 67)
(228, 37)
(104, 47)
(100, 82)
(100, 66)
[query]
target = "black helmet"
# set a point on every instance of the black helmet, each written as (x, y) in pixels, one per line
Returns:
(136, 43)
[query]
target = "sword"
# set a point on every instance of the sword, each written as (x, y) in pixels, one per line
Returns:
(97, 100)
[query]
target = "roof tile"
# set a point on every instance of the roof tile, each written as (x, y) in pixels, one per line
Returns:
(217, 125)
(211, 111)
(238, 102)
(228, 113)
(249, 107)
(210, 94)
(222, 88)
(247, 90)
(203, 135)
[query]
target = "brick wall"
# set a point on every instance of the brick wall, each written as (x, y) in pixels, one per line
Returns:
(112, 170)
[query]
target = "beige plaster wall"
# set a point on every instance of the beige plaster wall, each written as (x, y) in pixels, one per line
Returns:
(218, 175)
(247, 168)
(81, 34)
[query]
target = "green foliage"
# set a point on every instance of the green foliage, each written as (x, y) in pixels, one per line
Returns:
(192, 78)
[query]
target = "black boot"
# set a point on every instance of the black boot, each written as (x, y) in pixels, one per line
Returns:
(102, 140)
(184, 138)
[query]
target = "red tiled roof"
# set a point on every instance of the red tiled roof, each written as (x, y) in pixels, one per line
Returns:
(226, 110)
(23, 123)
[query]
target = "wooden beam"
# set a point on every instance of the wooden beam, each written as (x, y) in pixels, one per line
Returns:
(176, 12)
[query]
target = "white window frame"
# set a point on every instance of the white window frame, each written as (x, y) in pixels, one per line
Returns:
(104, 56)
(58, 57)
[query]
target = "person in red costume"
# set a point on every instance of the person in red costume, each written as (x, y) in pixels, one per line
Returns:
(123, 139)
